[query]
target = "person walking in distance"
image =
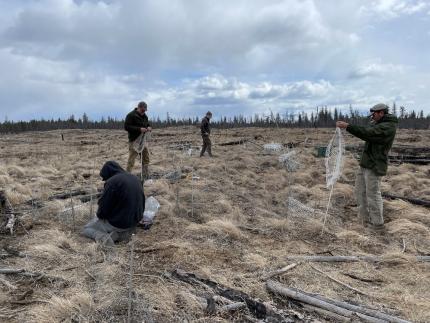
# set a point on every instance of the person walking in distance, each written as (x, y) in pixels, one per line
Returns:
(137, 123)
(205, 130)
(378, 137)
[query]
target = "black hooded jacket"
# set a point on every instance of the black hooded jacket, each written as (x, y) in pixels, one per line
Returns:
(123, 201)
(133, 122)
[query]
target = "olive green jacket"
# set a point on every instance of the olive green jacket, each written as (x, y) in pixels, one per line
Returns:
(379, 139)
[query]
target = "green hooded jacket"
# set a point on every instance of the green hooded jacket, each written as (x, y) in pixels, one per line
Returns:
(379, 138)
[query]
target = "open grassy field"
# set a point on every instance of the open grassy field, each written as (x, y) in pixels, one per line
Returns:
(225, 218)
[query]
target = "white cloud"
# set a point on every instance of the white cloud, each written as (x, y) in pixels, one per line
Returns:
(389, 9)
(376, 69)
(40, 87)
(183, 34)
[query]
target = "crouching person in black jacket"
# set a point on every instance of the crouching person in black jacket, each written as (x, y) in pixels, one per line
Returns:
(120, 208)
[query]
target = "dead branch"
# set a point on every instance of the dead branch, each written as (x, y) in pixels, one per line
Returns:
(279, 271)
(366, 280)
(66, 195)
(236, 142)
(407, 199)
(7, 283)
(257, 308)
(155, 248)
(297, 295)
(361, 309)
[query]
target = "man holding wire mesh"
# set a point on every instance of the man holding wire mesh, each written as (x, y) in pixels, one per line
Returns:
(378, 137)
(137, 123)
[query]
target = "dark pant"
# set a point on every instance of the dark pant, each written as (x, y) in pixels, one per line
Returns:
(207, 145)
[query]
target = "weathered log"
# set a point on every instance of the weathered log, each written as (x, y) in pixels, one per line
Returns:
(407, 199)
(326, 314)
(360, 309)
(236, 142)
(257, 308)
(87, 198)
(66, 195)
(233, 306)
(347, 258)
(278, 288)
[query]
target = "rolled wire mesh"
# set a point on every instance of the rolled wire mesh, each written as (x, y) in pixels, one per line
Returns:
(272, 148)
(300, 210)
(334, 158)
(288, 160)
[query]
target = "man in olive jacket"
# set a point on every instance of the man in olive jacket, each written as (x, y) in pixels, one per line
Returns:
(120, 208)
(378, 137)
(137, 123)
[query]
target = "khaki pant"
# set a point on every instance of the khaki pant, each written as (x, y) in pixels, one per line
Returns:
(207, 145)
(369, 199)
(132, 154)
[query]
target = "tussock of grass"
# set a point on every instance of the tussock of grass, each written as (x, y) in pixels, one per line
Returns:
(16, 171)
(5, 180)
(219, 228)
(75, 308)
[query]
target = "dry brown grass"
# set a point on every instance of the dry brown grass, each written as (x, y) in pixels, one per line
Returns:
(237, 227)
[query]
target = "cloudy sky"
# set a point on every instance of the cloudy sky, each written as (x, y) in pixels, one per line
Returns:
(184, 57)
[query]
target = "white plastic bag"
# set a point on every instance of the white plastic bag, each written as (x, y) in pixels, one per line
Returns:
(151, 209)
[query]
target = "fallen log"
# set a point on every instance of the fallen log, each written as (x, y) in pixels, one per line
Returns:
(257, 308)
(302, 297)
(348, 258)
(360, 309)
(236, 142)
(87, 198)
(330, 316)
(407, 199)
(67, 195)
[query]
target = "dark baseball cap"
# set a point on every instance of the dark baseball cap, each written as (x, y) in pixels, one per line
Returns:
(379, 107)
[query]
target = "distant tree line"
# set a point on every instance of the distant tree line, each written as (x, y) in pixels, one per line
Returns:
(320, 118)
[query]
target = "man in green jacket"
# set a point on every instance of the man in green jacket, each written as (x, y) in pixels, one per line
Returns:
(378, 137)
(137, 123)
